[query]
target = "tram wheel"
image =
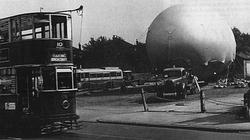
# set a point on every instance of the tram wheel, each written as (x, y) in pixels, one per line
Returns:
(28, 128)
(30, 131)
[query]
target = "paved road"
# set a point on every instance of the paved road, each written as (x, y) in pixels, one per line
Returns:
(91, 107)
(100, 131)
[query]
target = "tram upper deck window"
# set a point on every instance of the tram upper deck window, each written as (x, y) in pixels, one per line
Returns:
(15, 29)
(59, 26)
(26, 27)
(41, 24)
(4, 31)
(36, 26)
(21, 27)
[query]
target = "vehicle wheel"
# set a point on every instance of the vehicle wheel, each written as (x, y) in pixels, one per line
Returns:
(184, 95)
(123, 88)
(159, 94)
(181, 95)
(182, 92)
(194, 90)
(29, 127)
(159, 91)
(30, 132)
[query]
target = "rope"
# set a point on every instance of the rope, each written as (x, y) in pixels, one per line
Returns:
(164, 99)
(169, 100)
(207, 100)
(222, 103)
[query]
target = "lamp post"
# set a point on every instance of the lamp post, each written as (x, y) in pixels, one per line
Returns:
(41, 8)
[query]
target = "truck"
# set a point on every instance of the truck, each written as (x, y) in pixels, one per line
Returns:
(177, 80)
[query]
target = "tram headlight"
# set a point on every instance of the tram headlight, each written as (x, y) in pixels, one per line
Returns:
(65, 104)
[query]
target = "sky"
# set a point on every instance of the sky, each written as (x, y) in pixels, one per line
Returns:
(128, 19)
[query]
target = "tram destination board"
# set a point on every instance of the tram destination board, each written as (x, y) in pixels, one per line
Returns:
(59, 57)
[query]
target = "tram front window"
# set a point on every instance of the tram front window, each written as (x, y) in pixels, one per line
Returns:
(53, 79)
(64, 80)
(64, 77)
(59, 26)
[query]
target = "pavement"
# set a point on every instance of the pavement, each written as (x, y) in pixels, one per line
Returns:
(222, 115)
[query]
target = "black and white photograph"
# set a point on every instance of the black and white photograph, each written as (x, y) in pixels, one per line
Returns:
(124, 69)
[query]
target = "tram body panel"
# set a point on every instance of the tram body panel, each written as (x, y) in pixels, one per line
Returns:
(54, 104)
(39, 44)
(38, 50)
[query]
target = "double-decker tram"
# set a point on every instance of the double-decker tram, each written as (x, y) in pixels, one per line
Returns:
(37, 76)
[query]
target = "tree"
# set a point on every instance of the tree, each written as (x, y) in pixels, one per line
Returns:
(242, 40)
(242, 51)
(115, 52)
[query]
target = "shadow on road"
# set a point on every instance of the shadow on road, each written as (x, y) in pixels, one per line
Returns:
(233, 115)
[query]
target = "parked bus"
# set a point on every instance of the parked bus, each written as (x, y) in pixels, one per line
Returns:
(37, 84)
(99, 78)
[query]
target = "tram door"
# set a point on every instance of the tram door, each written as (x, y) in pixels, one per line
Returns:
(24, 89)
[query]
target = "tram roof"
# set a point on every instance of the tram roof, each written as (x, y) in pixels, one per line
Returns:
(175, 68)
(97, 70)
(34, 13)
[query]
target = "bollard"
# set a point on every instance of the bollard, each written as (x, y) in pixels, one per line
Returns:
(144, 100)
(156, 88)
(202, 97)
(246, 105)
